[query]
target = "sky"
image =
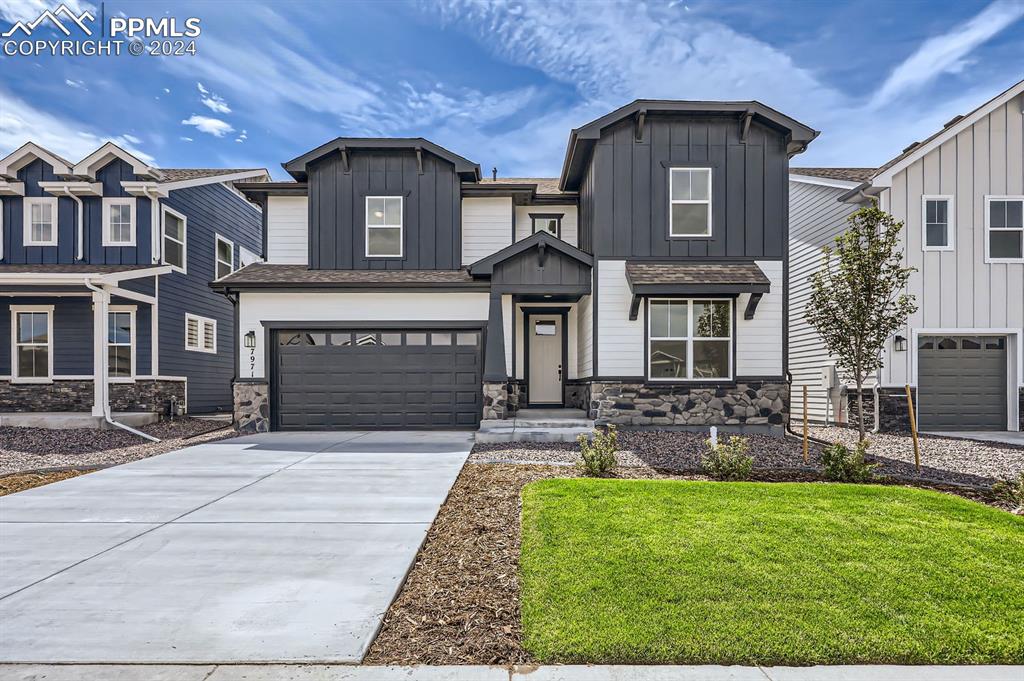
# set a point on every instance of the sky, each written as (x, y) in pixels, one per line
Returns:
(503, 82)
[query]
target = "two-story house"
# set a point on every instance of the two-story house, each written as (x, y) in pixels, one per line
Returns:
(645, 284)
(960, 195)
(104, 270)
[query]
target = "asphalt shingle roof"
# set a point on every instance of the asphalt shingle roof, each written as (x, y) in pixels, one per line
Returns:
(647, 273)
(179, 174)
(545, 185)
(848, 174)
(265, 274)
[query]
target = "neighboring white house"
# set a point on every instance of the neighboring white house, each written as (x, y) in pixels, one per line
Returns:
(960, 194)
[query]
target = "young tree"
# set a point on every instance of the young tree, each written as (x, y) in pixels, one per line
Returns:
(856, 300)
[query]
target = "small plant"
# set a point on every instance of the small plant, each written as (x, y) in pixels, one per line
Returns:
(599, 454)
(1011, 490)
(728, 460)
(843, 465)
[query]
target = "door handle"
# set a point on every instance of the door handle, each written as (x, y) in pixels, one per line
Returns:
(559, 373)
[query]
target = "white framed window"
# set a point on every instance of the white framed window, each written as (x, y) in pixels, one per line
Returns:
(224, 257)
(689, 192)
(40, 220)
(175, 231)
(1004, 229)
(384, 226)
(121, 342)
(550, 223)
(689, 339)
(119, 221)
(200, 333)
(32, 343)
(938, 231)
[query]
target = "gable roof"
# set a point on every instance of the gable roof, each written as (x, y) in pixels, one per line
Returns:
(485, 266)
(463, 166)
(26, 153)
(583, 139)
(883, 176)
(106, 153)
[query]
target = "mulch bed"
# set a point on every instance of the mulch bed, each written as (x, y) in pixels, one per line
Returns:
(9, 484)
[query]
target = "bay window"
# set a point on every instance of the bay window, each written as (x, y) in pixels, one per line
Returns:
(689, 339)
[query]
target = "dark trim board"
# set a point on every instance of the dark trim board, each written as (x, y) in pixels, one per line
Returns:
(562, 312)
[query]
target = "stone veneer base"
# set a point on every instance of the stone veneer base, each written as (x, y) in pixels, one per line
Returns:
(152, 395)
(252, 406)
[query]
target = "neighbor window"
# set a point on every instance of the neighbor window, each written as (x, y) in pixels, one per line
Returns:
(1004, 227)
(690, 339)
(119, 221)
(689, 202)
(384, 226)
(552, 224)
(174, 238)
(200, 333)
(225, 256)
(41, 221)
(937, 220)
(120, 342)
(33, 332)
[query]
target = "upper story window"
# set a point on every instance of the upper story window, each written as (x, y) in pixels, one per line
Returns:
(32, 352)
(225, 257)
(689, 340)
(119, 221)
(121, 341)
(1004, 229)
(937, 222)
(384, 226)
(550, 223)
(40, 221)
(689, 202)
(174, 238)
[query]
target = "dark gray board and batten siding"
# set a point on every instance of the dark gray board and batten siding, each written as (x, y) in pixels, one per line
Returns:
(432, 213)
(624, 202)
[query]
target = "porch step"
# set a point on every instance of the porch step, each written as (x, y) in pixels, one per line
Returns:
(536, 429)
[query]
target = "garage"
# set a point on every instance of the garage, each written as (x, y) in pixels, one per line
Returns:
(325, 379)
(962, 382)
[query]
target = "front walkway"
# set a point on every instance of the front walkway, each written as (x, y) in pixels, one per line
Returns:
(269, 548)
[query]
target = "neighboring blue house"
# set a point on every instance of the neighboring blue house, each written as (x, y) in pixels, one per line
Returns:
(105, 267)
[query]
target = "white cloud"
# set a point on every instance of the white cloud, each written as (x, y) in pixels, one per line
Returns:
(244, 135)
(947, 53)
(28, 10)
(21, 122)
(167, 90)
(77, 84)
(211, 126)
(202, 89)
(132, 138)
(216, 104)
(185, 139)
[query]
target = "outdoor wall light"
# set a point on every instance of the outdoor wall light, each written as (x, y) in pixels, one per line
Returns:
(900, 343)
(250, 339)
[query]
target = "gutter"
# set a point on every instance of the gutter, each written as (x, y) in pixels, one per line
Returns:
(105, 381)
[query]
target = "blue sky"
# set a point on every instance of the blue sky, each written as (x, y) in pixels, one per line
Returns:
(503, 82)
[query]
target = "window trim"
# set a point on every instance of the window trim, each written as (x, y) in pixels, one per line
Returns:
(690, 338)
(217, 238)
(989, 198)
(164, 210)
(368, 227)
(131, 310)
(15, 311)
(950, 222)
(27, 204)
(557, 217)
(200, 321)
(107, 204)
(708, 202)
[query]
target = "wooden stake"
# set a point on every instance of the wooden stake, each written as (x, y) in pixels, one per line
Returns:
(807, 458)
(913, 429)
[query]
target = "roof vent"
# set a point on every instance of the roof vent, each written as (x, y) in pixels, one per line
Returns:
(909, 147)
(953, 120)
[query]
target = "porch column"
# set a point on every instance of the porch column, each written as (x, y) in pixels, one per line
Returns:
(494, 353)
(100, 301)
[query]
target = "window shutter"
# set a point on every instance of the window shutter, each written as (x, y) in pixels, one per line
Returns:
(209, 336)
(192, 334)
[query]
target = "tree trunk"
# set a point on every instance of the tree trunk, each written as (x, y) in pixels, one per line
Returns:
(860, 408)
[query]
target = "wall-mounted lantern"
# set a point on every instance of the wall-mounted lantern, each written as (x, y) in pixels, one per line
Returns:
(900, 343)
(250, 339)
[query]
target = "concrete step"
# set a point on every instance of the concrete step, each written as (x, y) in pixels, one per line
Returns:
(529, 430)
(529, 413)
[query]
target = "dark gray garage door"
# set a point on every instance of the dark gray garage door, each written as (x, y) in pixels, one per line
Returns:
(405, 378)
(962, 383)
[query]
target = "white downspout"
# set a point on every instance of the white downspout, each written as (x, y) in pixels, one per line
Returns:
(155, 230)
(1, 228)
(101, 394)
(80, 223)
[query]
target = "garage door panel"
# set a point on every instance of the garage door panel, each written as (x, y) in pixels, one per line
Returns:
(962, 383)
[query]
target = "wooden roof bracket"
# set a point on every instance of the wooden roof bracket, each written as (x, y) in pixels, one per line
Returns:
(755, 298)
(638, 131)
(419, 160)
(346, 168)
(634, 307)
(542, 255)
(748, 116)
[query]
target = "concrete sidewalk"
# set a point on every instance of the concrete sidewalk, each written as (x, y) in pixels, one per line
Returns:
(521, 673)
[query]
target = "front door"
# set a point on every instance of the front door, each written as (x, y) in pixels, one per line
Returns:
(545, 363)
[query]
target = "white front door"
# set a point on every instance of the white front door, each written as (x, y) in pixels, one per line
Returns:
(545, 363)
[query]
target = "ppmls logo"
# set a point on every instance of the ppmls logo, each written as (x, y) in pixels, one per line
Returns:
(53, 17)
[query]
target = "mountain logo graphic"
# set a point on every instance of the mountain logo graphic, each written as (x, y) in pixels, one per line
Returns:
(62, 11)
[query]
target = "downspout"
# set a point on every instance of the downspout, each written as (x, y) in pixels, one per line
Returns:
(878, 411)
(80, 223)
(104, 379)
(155, 230)
(1, 228)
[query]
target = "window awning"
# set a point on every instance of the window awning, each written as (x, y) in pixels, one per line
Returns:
(696, 279)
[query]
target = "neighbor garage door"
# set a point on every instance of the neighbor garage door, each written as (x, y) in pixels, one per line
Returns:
(961, 383)
(404, 378)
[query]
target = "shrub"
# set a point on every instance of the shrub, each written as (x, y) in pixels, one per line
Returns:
(843, 465)
(728, 459)
(599, 454)
(1011, 490)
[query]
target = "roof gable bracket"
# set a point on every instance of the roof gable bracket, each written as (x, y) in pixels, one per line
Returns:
(755, 298)
(419, 160)
(345, 167)
(748, 116)
(634, 307)
(638, 131)
(542, 253)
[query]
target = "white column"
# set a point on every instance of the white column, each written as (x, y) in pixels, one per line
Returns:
(100, 301)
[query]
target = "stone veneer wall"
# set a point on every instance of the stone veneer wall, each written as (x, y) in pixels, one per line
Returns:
(893, 414)
(649, 404)
(502, 400)
(77, 395)
(577, 394)
(252, 406)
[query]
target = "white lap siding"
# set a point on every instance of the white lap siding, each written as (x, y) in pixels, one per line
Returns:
(306, 310)
(287, 230)
(759, 340)
(620, 341)
(486, 227)
(524, 223)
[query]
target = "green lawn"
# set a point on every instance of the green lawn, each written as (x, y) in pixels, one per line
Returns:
(657, 571)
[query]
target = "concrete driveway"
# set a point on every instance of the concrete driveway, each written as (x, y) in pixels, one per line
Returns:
(280, 547)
